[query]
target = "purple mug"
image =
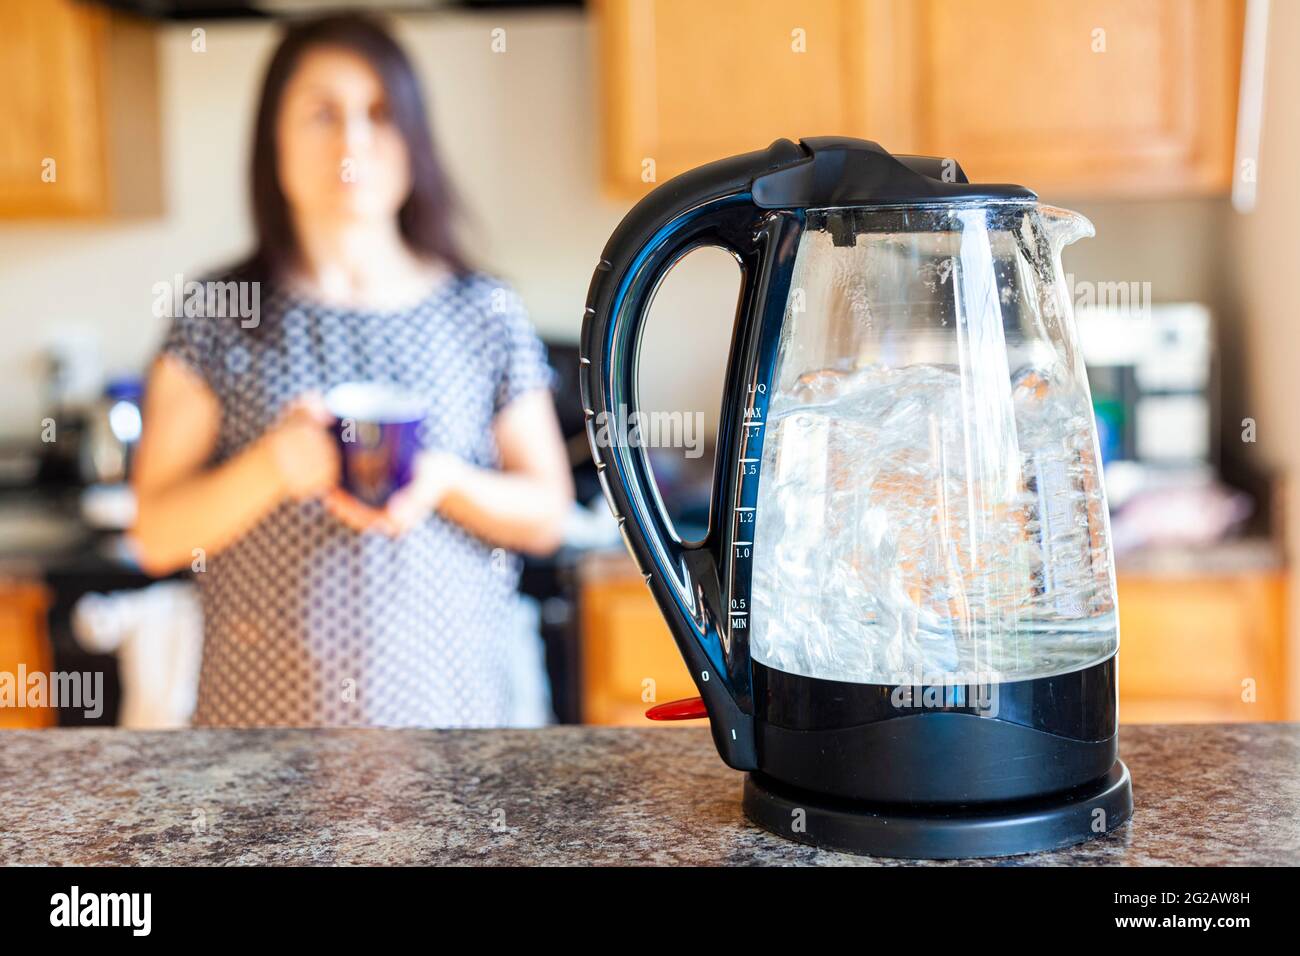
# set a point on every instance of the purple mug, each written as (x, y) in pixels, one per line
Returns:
(377, 429)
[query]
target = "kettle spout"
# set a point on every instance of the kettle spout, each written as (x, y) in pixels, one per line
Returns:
(1064, 226)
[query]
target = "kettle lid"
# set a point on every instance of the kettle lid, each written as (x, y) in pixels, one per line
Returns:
(842, 171)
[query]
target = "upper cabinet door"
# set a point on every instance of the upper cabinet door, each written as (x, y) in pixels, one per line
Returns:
(79, 112)
(685, 82)
(1078, 97)
(53, 155)
(1101, 97)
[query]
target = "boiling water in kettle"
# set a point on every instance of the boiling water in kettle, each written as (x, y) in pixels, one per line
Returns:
(916, 527)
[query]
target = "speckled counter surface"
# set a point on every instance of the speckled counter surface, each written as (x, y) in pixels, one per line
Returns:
(566, 795)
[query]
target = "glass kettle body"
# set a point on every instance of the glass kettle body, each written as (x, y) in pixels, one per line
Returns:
(930, 509)
(906, 594)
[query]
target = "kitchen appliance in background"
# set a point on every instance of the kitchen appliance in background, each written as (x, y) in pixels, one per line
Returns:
(902, 619)
(1154, 393)
(113, 432)
(72, 380)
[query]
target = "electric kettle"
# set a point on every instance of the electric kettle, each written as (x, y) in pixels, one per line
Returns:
(902, 620)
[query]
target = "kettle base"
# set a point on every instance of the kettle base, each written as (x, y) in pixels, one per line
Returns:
(941, 832)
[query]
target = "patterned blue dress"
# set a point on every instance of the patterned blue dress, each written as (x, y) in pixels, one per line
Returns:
(309, 623)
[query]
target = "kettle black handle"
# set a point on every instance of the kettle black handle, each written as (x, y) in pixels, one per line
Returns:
(709, 206)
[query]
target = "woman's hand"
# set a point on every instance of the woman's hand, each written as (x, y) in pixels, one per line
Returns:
(302, 450)
(357, 515)
(436, 473)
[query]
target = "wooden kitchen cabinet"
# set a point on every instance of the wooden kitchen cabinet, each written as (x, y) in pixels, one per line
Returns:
(1097, 97)
(1193, 648)
(685, 83)
(24, 641)
(629, 659)
(1087, 98)
(1202, 647)
(80, 112)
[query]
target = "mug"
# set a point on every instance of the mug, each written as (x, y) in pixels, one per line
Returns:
(377, 429)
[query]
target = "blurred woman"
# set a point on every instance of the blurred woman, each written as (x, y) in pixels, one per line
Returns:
(319, 610)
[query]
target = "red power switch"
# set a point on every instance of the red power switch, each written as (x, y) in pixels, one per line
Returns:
(691, 708)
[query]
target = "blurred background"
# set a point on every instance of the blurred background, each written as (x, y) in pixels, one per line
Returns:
(1171, 124)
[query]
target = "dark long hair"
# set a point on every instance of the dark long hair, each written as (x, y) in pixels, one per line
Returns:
(425, 218)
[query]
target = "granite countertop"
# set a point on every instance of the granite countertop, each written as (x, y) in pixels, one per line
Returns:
(1204, 794)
